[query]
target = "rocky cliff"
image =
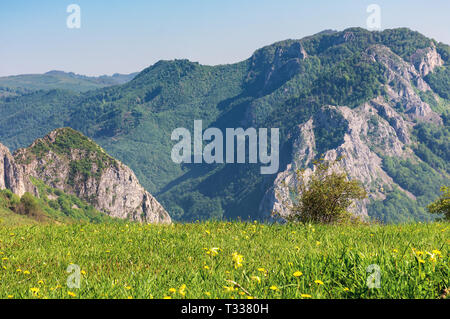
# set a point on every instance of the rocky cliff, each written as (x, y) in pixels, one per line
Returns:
(69, 161)
(11, 175)
(378, 128)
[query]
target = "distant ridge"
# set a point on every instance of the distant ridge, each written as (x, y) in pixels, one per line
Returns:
(63, 80)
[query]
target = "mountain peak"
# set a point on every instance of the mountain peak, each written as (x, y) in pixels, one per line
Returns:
(67, 160)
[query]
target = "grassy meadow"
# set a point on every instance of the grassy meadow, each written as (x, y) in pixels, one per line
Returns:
(224, 260)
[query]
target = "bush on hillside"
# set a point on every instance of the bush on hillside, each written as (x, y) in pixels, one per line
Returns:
(324, 197)
(442, 204)
(29, 206)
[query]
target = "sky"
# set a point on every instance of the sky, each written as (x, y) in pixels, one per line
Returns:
(124, 36)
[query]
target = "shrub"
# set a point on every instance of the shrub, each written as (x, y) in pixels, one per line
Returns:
(324, 197)
(30, 207)
(442, 204)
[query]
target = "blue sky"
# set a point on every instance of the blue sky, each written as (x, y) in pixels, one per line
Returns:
(128, 35)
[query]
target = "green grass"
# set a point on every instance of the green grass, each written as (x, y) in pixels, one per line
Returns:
(146, 261)
(8, 218)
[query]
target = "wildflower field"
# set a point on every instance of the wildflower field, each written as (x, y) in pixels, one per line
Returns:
(225, 260)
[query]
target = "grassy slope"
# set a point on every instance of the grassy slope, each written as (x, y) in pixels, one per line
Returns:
(121, 261)
(9, 218)
(54, 205)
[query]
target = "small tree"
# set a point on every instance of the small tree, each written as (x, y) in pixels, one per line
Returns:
(324, 197)
(30, 207)
(442, 204)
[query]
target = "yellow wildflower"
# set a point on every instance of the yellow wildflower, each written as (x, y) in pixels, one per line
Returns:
(213, 251)
(319, 282)
(297, 274)
(34, 290)
(256, 278)
(436, 252)
(182, 290)
(229, 288)
(71, 294)
(238, 260)
(305, 296)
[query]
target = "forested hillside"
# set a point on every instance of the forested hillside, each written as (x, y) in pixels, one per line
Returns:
(379, 97)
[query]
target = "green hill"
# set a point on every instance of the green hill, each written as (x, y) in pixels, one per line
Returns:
(62, 80)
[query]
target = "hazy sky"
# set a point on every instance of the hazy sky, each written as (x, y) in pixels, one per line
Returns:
(125, 36)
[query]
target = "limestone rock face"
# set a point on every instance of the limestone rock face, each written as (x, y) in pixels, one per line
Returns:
(11, 176)
(425, 60)
(401, 76)
(69, 161)
(271, 68)
(379, 127)
(367, 135)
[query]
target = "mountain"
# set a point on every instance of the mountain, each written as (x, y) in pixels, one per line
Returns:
(70, 162)
(380, 99)
(61, 80)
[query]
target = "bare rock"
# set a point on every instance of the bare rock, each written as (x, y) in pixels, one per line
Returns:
(69, 161)
(11, 176)
(425, 60)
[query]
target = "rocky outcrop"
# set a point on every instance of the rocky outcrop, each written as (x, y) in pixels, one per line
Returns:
(368, 134)
(11, 176)
(401, 76)
(270, 68)
(425, 60)
(69, 161)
